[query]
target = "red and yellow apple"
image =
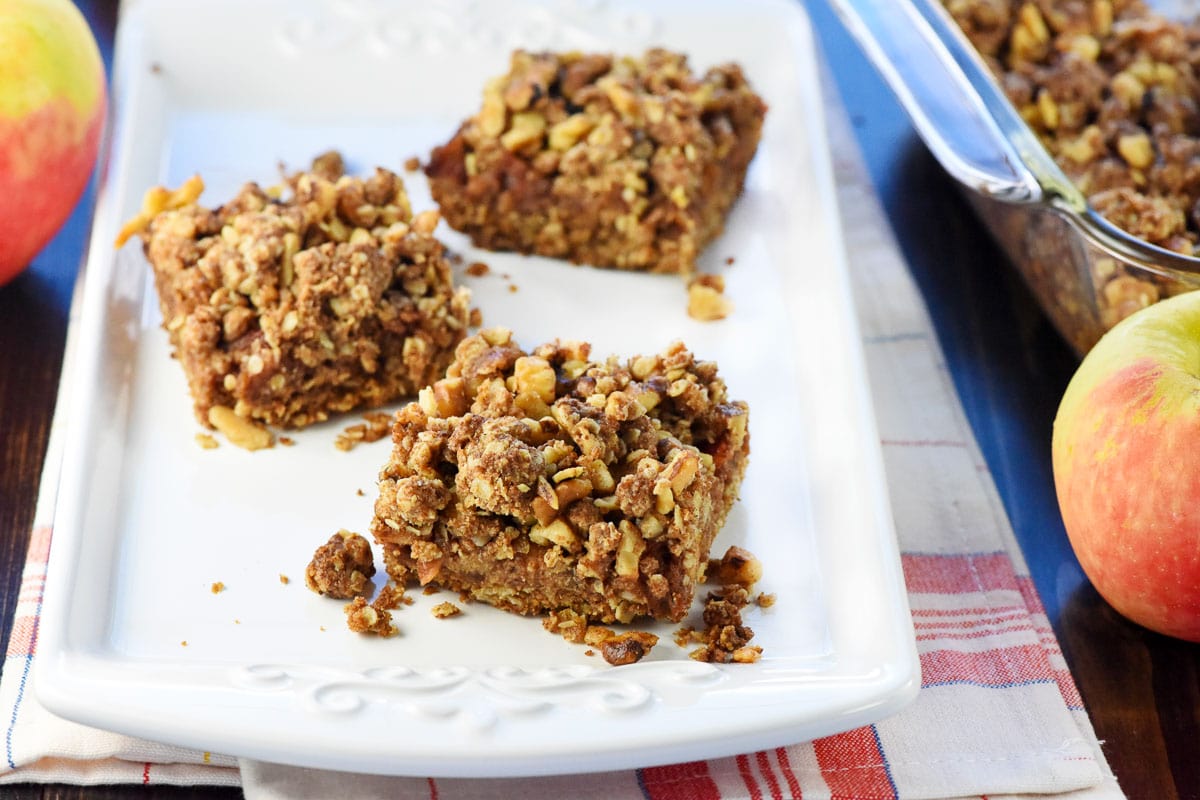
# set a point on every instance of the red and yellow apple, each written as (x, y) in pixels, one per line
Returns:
(52, 110)
(1126, 452)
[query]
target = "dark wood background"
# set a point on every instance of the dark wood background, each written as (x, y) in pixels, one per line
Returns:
(1007, 363)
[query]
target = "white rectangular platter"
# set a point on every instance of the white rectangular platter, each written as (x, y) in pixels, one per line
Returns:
(147, 520)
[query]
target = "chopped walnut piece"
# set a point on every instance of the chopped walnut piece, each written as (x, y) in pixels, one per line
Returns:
(706, 298)
(363, 618)
(206, 441)
(446, 609)
(627, 648)
(737, 567)
(158, 200)
(342, 567)
(746, 655)
(597, 634)
(329, 165)
(239, 430)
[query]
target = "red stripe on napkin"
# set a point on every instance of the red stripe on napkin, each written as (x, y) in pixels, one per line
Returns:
(958, 574)
(743, 765)
(768, 773)
(853, 766)
(23, 638)
(785, 766)
(39, 547)
(690, 781)
(1062, 675)
(998, 668)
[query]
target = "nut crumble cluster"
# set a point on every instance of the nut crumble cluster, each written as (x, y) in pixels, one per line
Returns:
(283, 311)
(629, 163)
(341, 568)
(1113, 92)
(548, 480)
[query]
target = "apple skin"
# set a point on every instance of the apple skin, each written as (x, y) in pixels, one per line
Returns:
(1126, 452)
(53, 104)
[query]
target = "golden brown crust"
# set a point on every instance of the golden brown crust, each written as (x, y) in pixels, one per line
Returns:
(548, 480)
(285, 311)
(629, 163)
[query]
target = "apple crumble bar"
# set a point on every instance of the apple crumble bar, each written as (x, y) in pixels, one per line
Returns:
(619, 162)
(283, 311)
(548, 480)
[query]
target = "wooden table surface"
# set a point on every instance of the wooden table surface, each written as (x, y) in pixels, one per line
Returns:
(1006, 361)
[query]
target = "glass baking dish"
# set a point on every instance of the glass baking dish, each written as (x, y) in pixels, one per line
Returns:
(1087, 273)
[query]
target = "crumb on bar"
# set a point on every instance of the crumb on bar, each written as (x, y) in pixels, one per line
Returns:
(342, 567)
(627, 648)
(726, 637)
(737, 567)
(377, 426)
(706, 298)
(445, 610)
(369, 619)
(391, 597)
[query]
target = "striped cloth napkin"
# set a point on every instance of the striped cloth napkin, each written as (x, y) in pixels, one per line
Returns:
(998, 714)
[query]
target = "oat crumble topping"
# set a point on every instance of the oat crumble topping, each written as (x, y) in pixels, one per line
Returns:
(283, 311)
(624, 162)
(549, 480)
(341, 568)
